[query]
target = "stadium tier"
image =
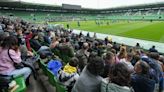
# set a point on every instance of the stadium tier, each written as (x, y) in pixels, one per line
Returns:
(38, 12)
(52, 16)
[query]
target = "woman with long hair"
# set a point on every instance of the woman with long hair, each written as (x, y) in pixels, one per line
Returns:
(119, 79)
(9, 56)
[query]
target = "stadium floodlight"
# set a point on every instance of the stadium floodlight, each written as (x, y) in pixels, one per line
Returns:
(147, 8)
(155, 8)
(134, 9)
(161, 7)
(5, 7)
(141, 9)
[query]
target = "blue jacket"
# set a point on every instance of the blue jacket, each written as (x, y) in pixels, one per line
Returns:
(141, 83)
(54, 66)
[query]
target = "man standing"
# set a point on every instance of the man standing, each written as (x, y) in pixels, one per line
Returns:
(67, 26)
(78, 23)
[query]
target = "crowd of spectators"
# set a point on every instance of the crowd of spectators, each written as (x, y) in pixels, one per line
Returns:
(88, 64)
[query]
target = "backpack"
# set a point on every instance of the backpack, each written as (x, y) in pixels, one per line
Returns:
(4, 81)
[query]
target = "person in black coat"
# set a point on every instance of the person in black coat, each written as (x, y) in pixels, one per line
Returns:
(34, 42)
(153, 49)
(141, 81)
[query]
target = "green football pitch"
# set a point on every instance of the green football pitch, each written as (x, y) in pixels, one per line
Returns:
(146, 30)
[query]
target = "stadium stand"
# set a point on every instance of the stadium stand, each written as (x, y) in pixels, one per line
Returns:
(61, 61)
(38, 12)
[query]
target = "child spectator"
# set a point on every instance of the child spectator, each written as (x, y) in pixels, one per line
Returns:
(69, 74)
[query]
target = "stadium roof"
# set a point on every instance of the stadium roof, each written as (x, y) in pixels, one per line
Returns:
(95, 4)
(152, 5)
(27, 5)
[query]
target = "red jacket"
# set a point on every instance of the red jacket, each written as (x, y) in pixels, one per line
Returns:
(27, 39)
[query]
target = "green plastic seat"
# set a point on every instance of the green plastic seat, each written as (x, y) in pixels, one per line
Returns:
(35, 53)
(53, 81)
(39, 63)
(51, 78)
(43, 67)
(60, 88)
(21, 82)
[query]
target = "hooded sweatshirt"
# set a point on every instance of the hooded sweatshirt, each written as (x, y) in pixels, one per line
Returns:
(111, 87)
(87, 82)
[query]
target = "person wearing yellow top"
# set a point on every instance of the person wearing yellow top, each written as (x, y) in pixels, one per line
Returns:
(69, 74)
(69, 69)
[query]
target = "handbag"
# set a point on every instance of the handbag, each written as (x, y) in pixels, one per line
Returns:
(4, 81)
(16, 65)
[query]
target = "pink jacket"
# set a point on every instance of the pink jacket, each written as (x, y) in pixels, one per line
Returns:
(6, 64)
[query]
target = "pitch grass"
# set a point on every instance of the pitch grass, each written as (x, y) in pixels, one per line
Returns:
(146, 30)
